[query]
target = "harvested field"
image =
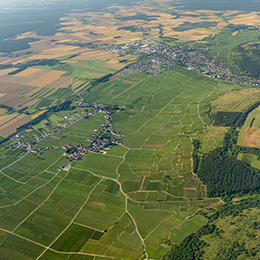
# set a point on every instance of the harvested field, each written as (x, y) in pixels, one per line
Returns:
(55, 52)
(30, 102)
(14, 80)
(10, 127)
(5, 119)
(14, 89)
(15, 101)
(247, 19)
(93, 55)
(46, 79)
(6, 71)
(31, 72)
(252, 138)
(62, 82)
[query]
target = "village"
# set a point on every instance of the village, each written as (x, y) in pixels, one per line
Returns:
(155, 57)
(100, 140)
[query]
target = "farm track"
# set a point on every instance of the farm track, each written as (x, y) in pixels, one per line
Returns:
(128, 89)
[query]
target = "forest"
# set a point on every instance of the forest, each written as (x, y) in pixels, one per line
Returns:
(16, 45)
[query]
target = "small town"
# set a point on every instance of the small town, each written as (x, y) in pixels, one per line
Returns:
(155, 57)
(102, 138)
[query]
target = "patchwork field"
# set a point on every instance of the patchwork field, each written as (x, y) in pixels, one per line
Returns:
(137, 200)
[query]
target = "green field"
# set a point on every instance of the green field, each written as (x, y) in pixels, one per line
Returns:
(83, 69)
(141, 194)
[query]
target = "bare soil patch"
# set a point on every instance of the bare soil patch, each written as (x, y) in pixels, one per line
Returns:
(14, 80)
(154, 145)
(5, 119)
(97, 203)
(252, 138)
(11, 126)
(215, 205)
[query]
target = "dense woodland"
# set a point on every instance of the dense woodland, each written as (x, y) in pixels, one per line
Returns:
(222, 173)
(226, 175)
(226, 118)
(16, 45)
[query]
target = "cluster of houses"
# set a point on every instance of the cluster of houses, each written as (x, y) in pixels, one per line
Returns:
(156, 57)
(103, 137)
(207, 65)
(28, 146)
(99, 140)
(23, 145)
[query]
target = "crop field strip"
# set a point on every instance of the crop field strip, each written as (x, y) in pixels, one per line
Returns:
(148, 175)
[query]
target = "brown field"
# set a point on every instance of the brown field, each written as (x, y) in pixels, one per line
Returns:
(13, 89)
(252, 138)
(14, 80)
(29, 102)
(3, 59)
(154, 145)
(5, 119)
(16, 101)
(10, 127)
(46, 79)
(97, 203)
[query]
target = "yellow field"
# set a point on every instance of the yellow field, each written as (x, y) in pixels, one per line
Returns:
(38, 114)
(46, 79)
(247, 19)
(93, 55)
(6, 71)
(2, 111)
(29, 72)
